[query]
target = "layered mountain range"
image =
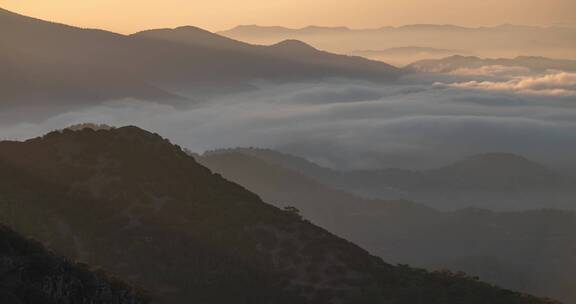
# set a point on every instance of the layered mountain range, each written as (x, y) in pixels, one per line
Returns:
(500, 181)
(528, 250)
(497, 41)
(138, 206)
(106, 209)
(49, 64)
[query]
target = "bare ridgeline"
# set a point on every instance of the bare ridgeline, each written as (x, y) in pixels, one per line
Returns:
(98, 213)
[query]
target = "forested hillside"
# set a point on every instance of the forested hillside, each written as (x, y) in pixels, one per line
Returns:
(30, 274)
(140, 207)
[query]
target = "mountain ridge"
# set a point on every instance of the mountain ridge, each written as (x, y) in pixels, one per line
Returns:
(142, 208)
(507, 180)
(408, 26)
(488, 41)
(61, 64)
(527, 250)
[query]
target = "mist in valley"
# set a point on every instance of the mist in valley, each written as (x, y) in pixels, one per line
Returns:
(418, 122)
(444, 147)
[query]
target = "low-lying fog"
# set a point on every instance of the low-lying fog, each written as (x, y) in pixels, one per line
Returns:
(420, 121)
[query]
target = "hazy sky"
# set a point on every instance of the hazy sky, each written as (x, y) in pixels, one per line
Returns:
(132, 15)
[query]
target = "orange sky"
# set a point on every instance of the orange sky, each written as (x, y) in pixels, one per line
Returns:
(130, 15)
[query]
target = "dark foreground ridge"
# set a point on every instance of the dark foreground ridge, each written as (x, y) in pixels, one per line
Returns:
(131, 202)
(29, 274)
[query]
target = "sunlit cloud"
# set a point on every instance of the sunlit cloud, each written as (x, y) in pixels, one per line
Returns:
(492, 70)
(555, 84)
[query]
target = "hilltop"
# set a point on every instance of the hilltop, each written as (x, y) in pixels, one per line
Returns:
(132, 202)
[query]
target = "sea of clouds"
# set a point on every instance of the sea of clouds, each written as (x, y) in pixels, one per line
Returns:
(419, 121)
(518, 80)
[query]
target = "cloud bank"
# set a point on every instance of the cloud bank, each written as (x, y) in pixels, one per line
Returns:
(411, 124)
(493, 70)
(553, 84)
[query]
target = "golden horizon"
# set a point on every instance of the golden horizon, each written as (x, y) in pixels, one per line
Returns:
(132, 16)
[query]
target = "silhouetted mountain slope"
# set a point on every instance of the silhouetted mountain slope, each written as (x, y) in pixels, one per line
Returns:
(529, 251)
(453, 63)
(63, 63)
(68, 64)
(288, 51)
(335, 210)
(193, 36)
(285, 160)
(130, 201)
(29, 274)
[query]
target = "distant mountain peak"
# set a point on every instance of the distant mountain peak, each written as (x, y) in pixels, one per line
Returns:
(255, 26)
(328, 28)
(186, 29)
(433, 27)
(499, 164)
(293, 45)
(190, 28)
(462, 57)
